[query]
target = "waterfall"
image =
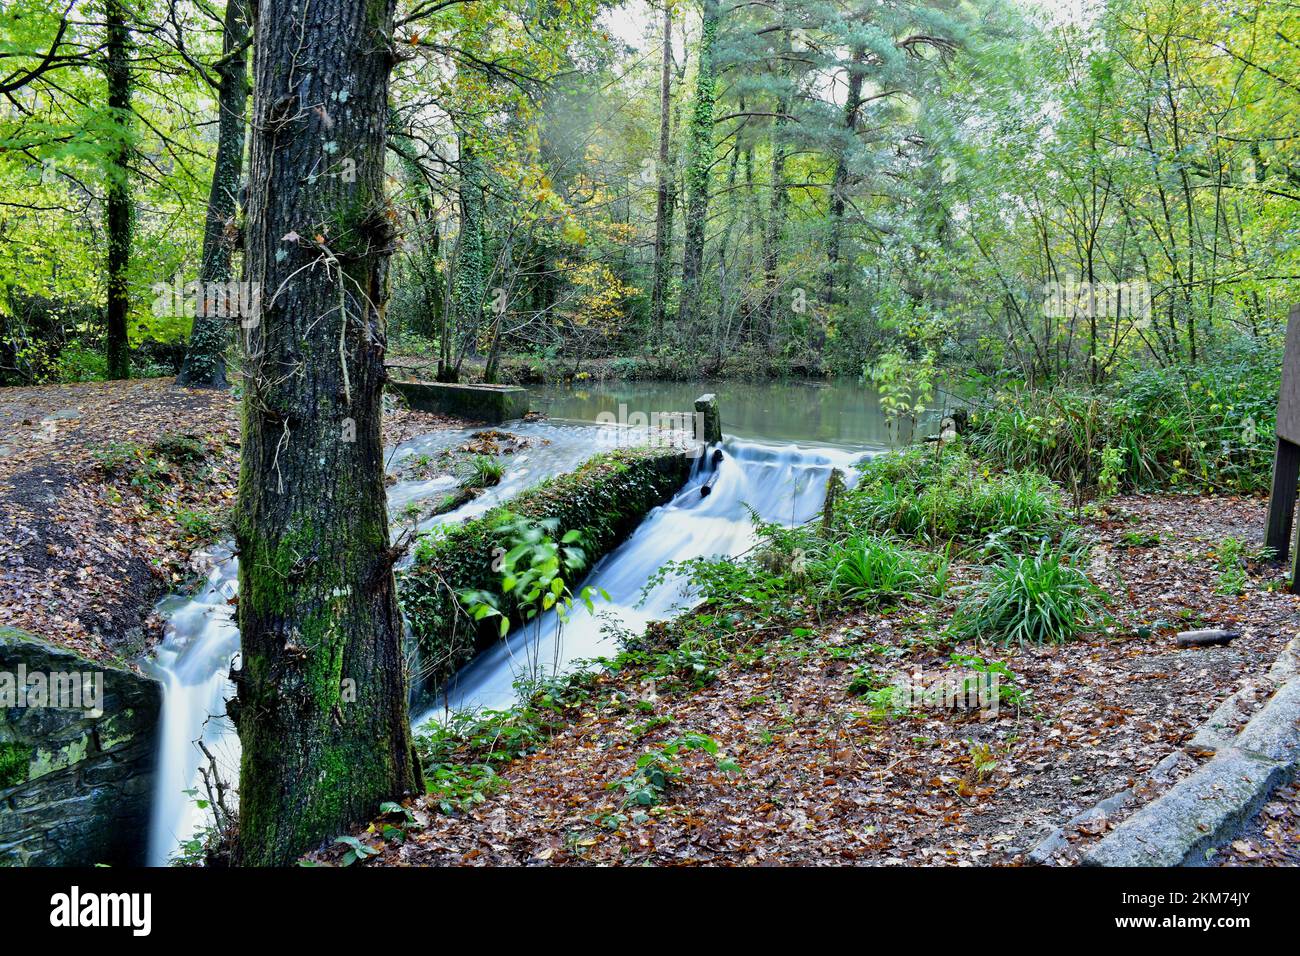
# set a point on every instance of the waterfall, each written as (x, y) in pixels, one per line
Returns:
(781, 482)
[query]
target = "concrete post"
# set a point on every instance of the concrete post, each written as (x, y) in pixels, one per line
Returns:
(708, 421)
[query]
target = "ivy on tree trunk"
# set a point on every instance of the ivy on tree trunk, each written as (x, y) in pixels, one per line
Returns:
(699, 162)
(664, 188)
(205, 355)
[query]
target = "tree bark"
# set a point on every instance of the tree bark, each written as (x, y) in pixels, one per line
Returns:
(471, 274)
(117, 203)
(840, 180)
(322, 689)
(205, 356)
(663, 198)
(699, 162)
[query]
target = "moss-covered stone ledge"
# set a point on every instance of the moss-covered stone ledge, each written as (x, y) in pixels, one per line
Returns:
(605, 498)
(76, 783)
(491, 404)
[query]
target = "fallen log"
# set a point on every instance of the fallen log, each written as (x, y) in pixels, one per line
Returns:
(1206, 638)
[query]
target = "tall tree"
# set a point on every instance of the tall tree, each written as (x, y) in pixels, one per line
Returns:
(205, 355)
(471, 251)
(777, 200)
(664, 189)
(322, 691)
(699, 163)
(118, 214)
(840, 179)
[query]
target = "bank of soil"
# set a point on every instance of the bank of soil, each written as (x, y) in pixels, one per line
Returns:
(825, 781)
(106, 489)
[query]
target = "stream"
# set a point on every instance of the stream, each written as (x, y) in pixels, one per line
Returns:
(780, 476)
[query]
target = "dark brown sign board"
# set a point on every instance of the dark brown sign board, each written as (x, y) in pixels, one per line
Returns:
(1288, 400)
(1286, 458)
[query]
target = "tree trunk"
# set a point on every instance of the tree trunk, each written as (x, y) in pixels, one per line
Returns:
(775, 221)
(699, 161)
(663, 199)
(839, 183)
(470, 272)
(117, 204)
(322, 690)
(425, 259)
(205, 356)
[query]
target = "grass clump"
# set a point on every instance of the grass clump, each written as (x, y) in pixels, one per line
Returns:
(874, 570)
(1035, 598)
(940, 493)
(484, 472)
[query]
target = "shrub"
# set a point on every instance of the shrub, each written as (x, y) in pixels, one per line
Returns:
(941, 494)
(77, 363)
(1029, 598)
(872, 570)
(1200, 426)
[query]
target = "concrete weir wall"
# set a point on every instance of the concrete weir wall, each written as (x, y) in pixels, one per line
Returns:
(75, 782)
(480, 403)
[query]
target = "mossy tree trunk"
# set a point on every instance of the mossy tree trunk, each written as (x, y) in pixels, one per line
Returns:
(840, 181)
(777, 202)
(117, 201)
(664, 187)
(699, 163)
(322, 690)
(205, 355)
(471, 272)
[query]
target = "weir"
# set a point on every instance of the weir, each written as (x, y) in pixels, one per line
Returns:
(780, 481)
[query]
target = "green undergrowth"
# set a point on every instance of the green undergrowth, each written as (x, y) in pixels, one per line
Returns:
(464, 754)
(894, 541)
(1182, 427)
(940, 493)
(154, 470)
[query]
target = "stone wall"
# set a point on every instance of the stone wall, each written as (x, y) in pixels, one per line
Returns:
(75, 784)
(605, 499)
(491, 404)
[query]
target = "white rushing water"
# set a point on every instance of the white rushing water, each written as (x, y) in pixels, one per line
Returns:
(781, 482)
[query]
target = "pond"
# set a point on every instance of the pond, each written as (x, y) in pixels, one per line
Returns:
(840, 412)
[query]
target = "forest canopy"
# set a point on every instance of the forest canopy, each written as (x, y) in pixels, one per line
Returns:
(782, 187)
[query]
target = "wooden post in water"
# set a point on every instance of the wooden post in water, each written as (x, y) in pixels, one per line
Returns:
(1286, 458)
